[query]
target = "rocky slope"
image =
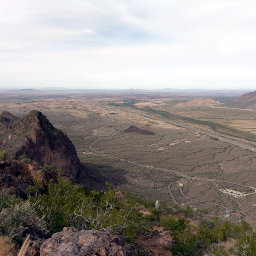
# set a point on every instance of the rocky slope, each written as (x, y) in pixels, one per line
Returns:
(17, 175)
(34, 137)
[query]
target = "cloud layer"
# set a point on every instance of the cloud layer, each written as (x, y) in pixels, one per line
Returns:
(128, 44)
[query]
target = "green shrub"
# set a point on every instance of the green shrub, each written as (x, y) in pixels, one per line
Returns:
(206, 237)
(58, 204)
(246, 245)
(66, 204)
(155, 215)
(185, 243)
(218, 251)
(3, 155)
(174, 223)
(6, 199)
(189, 212)
(13, 220)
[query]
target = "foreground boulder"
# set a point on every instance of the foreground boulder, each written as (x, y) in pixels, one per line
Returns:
(71, 242)
(34, 137)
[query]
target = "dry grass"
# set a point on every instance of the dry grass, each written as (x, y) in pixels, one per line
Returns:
(7, 248)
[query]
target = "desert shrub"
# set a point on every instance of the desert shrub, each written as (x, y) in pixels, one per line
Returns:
(66, 204)
(185, 243)
(3, 155)
(246, 245)
(14, 221)
(174, 223)
(167, 208)
(189, 212)
(25, 158)
(58, 204)
(217, 251)
(196, 243)
(210, 232)
(155, 214)
(6, 199)
(219, 230)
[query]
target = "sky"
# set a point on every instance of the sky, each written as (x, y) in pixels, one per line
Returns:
(120, 44)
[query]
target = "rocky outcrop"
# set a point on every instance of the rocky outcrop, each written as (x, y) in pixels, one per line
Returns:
(71, 242)
(34, 137)
(16, 176)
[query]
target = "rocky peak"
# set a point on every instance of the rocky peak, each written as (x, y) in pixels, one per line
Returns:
(34, 137)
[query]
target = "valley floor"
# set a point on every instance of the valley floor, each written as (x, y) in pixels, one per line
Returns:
(184, 163)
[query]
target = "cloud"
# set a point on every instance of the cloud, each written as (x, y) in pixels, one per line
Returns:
(124, 44)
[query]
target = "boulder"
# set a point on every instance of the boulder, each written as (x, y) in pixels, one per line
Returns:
(72, 242)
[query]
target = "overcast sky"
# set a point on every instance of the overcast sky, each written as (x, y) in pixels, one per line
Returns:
(150, 44)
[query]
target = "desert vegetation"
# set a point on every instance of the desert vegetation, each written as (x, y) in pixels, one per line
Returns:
(66, 204)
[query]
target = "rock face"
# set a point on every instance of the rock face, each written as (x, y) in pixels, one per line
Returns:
(71, 242)
(16, 176)
(34, 137)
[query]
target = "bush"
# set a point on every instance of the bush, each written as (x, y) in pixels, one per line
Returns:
(58, 204)
(217, 251)
(15, 220)
(6, 199)
(3, 155)
(174, 223)
(66, 204)
(246, 245)
(185, 243)
(206, 237)
(155, 215)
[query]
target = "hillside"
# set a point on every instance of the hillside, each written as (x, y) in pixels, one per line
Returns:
(247, 100)
(198, 102)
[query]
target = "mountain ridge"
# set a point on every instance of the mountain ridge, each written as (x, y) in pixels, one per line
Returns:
(37, 139)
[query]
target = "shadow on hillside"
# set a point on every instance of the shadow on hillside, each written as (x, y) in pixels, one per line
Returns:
(97, 176)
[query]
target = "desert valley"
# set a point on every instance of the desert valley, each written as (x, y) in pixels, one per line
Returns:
(184, 149)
